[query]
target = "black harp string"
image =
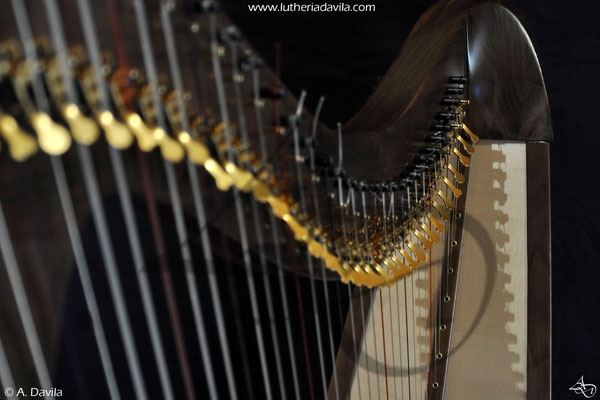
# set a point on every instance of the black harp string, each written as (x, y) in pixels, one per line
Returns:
(258, 103)
(219, 82)
(237, 78)
(309, 260)
(42, 103)
(93, 50)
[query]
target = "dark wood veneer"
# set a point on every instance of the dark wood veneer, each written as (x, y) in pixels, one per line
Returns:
(539, 273)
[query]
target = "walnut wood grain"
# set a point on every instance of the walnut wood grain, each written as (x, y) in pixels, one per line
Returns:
(539, 273)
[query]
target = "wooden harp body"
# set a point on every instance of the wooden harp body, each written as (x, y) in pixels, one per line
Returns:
(188, 230)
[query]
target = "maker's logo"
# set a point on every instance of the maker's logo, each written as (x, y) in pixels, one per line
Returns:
(588, 390)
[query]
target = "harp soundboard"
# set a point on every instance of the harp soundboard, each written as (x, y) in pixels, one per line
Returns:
(175, 224)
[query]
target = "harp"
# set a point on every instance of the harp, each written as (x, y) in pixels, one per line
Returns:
(174, 224)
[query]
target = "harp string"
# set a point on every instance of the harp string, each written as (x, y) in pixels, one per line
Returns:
(166, 9)
(257, 220)
(96, 202)
(6, 376)
(389, 302)
(309, 260)
(18, 289)
(238, 206)
(275, 234)
(33, 205)
(42, 103)
(197, 72)
(91, 41)
(190, 276)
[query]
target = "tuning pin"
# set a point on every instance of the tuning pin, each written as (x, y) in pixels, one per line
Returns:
(446, 116)
(83, 128)
(20, 144)
(53, 138)
(440, 127)
(273, 92)
(453, 90)
(230, 34)
(457, 80)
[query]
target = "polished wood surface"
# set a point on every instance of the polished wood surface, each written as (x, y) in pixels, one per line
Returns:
(539, 294)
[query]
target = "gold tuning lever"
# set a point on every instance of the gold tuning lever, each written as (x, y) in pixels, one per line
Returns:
(464, 160)
(411, 261)
(418, 253)
(460, 178)
(170, 149)
(449, 203)
(428, 244)
(20, 144)
(117, 134)
(443, 213)
(145, 137)
(439, 225)
(241, 179)
(222, 178)
(474, 137)
(468, 148)
(400, 266)
(83, 128)
(434, 237)
(53, 138)
(196, 151)
(300, 232)
(457, 192)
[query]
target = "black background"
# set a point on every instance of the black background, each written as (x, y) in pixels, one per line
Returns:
(341, 56)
